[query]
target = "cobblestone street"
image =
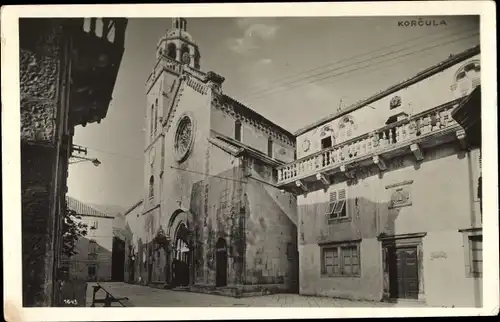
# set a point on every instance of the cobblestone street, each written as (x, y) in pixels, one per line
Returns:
(144, 296)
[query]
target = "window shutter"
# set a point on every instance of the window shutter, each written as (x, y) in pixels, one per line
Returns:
(333, 196)
(342, 194)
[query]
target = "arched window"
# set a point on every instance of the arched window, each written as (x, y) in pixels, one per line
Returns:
(172, 51)
(185, 55)
(156, 115)
(151, 187)
(270, 147)
(197, 57)
(151, 129)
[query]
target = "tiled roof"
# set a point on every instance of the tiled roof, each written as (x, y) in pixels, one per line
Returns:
(83, 209)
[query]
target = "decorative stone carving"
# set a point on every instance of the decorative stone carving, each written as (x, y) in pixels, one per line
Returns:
(38, 121)
(400, 194)
(326, 130)
(38, 79)
(184, 137)
(306, 145)
(395, 102)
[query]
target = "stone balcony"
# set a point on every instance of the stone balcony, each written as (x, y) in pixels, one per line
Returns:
(411, 135)
(97, 46)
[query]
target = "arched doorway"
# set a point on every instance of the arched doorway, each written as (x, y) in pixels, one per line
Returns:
(181, 255)
(221, 262)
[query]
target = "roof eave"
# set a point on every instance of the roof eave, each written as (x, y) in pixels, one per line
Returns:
(415, 79)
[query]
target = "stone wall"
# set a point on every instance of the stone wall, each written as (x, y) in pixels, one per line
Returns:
(43, 154)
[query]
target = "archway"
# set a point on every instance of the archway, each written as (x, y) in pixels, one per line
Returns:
(181, 256)
(221, 262)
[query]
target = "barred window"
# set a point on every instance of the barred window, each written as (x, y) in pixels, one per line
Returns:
(476, 255)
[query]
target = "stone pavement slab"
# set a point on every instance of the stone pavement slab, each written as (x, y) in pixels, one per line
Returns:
(144, 296)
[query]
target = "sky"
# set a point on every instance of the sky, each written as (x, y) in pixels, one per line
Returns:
(293, 71)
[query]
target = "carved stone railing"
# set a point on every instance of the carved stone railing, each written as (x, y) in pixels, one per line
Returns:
(111, 29)
(400, 134)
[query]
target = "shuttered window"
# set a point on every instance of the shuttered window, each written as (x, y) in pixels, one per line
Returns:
(340, 260)
(337, 208)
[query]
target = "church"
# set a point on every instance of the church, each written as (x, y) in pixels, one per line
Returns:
(211, 214)
(379, 201)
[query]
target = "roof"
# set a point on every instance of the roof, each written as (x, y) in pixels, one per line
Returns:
(243, 148)
(246, 111)
(452, 60)
(133, 207)
(84, 209)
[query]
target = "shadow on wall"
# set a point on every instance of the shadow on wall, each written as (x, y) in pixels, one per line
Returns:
(92, 262)
(401, 251)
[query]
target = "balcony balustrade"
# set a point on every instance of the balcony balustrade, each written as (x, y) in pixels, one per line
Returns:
(97, 47)
(425, 129)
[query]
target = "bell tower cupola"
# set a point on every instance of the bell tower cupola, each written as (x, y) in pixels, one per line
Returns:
(178, 45)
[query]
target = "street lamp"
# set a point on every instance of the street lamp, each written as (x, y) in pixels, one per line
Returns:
(95, 162)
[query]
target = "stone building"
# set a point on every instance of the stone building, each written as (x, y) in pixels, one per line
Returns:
(67, 75)
(210, 205)
(93, 261)
(387, 202)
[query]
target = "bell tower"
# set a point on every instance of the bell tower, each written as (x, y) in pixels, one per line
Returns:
(178, 45)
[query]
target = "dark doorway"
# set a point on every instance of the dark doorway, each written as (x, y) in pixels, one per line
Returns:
(221, 262)
(150, 263)
(118, 260)
(181, 258)
(403, 272)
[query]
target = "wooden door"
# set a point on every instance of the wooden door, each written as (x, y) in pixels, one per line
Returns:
(403, 272)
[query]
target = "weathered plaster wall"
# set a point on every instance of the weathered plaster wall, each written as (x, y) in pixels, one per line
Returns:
(431, 211)
(270, 230)
(374, 116)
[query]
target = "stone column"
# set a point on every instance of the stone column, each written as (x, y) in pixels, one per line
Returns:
(44, 80)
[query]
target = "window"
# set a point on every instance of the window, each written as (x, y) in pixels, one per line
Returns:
(326, 142)
(337, 208)
(92, 247)
(156, 116)
(237, 131)
(270, 147)
(340, 260)
(152, 125)
(91, 271)
(171, 51)
(151, 187)
(476, 255)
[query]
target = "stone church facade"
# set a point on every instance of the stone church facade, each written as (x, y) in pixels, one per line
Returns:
(211, 214)
(388, 197)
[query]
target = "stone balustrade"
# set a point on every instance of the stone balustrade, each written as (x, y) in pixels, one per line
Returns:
(400, 134)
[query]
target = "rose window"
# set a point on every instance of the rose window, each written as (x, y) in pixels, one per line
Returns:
(183, 138)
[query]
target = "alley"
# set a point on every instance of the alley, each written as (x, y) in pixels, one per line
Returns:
(143, 296)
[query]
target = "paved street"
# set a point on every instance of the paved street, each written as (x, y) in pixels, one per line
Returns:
(144, 296)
